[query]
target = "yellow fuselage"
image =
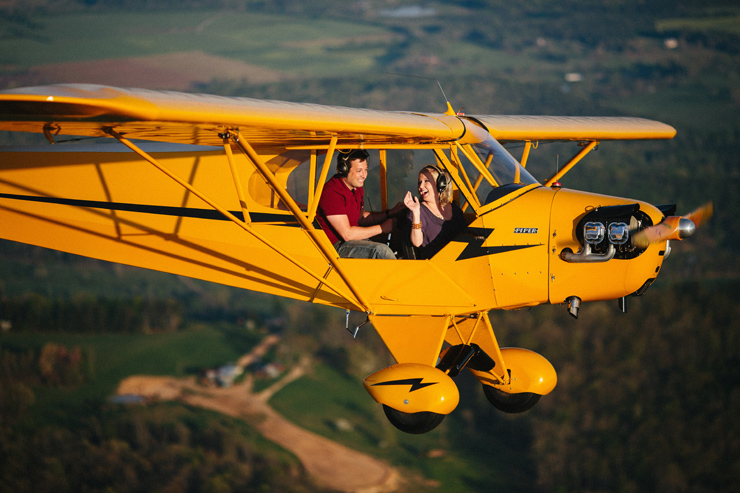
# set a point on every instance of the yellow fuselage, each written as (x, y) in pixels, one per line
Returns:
(113, 206)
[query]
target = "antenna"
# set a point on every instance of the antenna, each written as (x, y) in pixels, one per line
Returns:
(449, 111)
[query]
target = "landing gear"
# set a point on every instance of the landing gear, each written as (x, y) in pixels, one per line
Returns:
(413, 423)
(510, 403)
(425, 394)
(416, 396)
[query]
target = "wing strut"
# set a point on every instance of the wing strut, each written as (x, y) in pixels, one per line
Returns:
(455, 172)
(246, 227)
(317, 237)
(383, 179)
(324, 172)
(469, 330)
(479, 180)
(475, 161)
(525, 155)
(235, 176)
(557, 176)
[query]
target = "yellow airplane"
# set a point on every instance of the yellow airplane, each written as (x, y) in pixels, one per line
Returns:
(227, 190)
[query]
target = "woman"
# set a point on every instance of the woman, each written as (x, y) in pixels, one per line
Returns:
(432, 221)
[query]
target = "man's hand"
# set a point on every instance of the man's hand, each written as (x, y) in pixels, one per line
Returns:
(348, 232)
(397, 209)
(387, 225)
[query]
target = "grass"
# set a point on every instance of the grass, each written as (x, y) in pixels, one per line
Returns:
(320, 402)
(115, 357)
(302, 47)
(684, 107)
(721, 23)
(325, 401)
(319, 48)
(53, 277)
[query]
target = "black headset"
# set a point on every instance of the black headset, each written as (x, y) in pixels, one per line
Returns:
(441, 178)
(345, 158)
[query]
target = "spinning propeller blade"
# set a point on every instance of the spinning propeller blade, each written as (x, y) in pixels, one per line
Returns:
(701, 215)
(673, 227)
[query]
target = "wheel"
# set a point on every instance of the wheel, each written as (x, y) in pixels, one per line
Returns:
(413, 423)
(510, 403)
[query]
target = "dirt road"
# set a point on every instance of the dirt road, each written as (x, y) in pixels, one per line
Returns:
(332, 465)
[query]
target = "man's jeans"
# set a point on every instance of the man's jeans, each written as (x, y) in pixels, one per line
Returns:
(363, 249)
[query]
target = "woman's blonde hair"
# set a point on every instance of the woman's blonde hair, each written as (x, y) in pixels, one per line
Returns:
(445, 195)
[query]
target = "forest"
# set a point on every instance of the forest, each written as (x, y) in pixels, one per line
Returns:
(646, 400)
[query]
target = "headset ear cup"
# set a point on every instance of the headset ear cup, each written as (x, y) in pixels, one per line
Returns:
(441, 180)
(342, 168)
(345, 158)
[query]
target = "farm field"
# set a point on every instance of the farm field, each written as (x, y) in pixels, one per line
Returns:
(175, 51)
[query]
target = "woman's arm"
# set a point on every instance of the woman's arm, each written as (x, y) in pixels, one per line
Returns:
(417, 237)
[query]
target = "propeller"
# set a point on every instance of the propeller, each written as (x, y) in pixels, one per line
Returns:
(673, 227)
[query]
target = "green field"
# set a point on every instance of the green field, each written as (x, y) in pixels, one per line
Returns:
(685, 86)
(114, 357)
(323, 47)
(305, 49)
(723, 23)
(438, 456)
(318, 402)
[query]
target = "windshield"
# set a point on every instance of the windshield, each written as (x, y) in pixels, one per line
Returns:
(505, 172)
(504, 168)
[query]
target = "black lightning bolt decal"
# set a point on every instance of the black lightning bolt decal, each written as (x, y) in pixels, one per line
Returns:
(211, 214)
(475, 237)
(414, 382)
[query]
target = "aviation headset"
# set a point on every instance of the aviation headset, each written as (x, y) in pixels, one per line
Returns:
(441, 177)
(345, 158)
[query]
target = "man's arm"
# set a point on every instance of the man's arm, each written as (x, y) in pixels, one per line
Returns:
(347, 232)
(372, 218)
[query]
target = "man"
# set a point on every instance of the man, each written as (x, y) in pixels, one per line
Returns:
(342, 215)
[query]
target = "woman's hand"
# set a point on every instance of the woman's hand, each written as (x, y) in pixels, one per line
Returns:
(412, 203)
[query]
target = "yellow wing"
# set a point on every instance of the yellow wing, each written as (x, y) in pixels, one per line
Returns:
(581, 128)
(79, 109)
(88, 110)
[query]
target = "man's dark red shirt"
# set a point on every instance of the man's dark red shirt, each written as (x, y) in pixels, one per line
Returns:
(336, 200)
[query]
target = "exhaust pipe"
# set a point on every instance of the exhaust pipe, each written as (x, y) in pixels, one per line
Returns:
(574, 303)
